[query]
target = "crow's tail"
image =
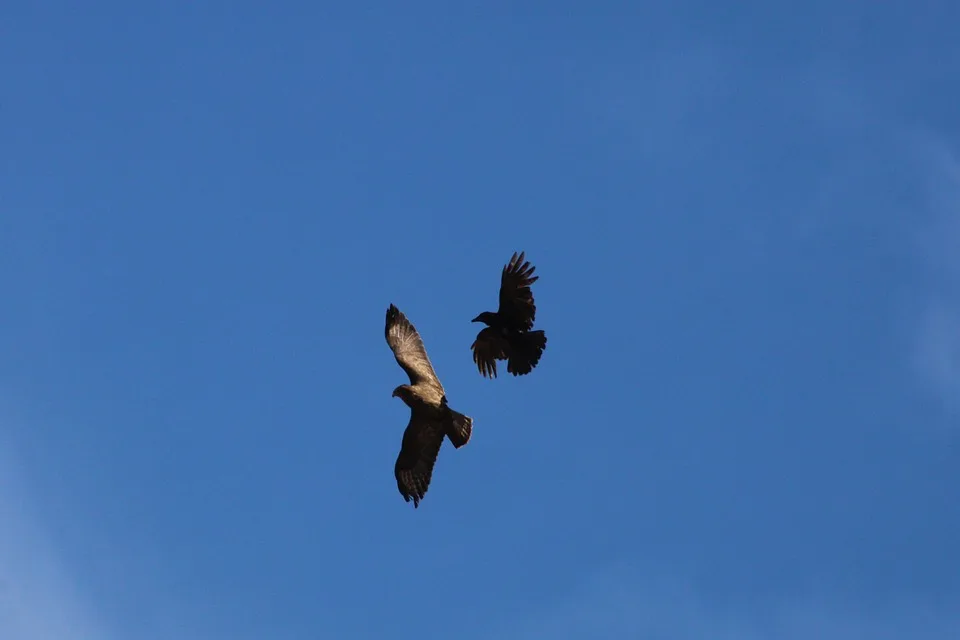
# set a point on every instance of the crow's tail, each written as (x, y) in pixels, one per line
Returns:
(525, 352)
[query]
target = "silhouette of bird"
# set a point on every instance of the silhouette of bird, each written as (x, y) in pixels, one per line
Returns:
(508, 334)
(430, 417)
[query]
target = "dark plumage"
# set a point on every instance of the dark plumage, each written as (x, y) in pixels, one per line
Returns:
(508, 334)
(430, 417)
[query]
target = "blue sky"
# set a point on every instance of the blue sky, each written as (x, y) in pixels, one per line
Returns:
(746, 221)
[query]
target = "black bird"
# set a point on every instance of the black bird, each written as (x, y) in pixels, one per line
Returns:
(508, 334)
(430, 417)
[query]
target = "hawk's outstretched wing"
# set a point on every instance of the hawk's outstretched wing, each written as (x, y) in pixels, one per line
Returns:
(418, 454)
(487, 349)
(408, 349)
(516, 299)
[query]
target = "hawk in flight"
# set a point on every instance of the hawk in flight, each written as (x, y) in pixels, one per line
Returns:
(430, 417)
(508, 334)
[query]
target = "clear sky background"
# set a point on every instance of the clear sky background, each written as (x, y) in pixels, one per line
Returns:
(746, 220)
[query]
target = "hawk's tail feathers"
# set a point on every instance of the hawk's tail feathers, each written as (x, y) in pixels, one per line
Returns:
(525, 352)
(459, 429)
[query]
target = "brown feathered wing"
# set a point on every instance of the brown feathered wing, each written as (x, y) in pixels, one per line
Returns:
(408, 349)
(418, 455)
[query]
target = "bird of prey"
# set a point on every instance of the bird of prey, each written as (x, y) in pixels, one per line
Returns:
(430, 417)
(508, 334)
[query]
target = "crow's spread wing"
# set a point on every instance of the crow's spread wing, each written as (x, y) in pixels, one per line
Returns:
(516, 299)
(487, 349)
(408, 349)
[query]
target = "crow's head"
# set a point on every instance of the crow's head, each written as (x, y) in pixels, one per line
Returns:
(487, 317)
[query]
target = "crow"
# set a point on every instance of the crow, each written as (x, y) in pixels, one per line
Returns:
(508, 334)
(430, 417)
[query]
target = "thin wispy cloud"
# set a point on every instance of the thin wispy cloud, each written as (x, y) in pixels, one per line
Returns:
(937, 356)
(938, 351)
(619, 606)
(38, 597)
